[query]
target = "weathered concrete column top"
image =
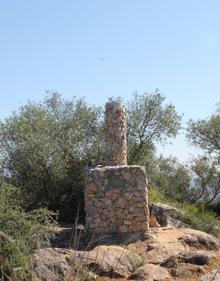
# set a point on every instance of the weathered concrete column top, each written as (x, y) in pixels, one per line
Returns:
(116, 143)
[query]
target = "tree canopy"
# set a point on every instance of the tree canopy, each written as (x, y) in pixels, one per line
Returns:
(205, 133)
(149, 121)
(45, 146)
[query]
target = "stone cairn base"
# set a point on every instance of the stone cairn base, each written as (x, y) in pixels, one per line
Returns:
(116, 195)
(116, 199)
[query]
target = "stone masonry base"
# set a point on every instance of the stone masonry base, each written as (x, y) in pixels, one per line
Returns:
(116, 199)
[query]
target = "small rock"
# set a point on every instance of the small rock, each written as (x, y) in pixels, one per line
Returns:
(141, 204)
(91, 188)
(170, 263)
(162, 212)
(200, 240)
(110, 260)
(214, 275)
(150, 272)
(108, 193)
(187, 271)
(121, 203)
(126, 175)
(107, 201)
(194, 258)
(123, 228)
(140, 219)
(171, 222)
(168, 242)
(51, 264)
(153, 221)
(138, 212)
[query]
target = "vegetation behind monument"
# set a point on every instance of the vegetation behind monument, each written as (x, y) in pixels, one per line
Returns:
(46, 146)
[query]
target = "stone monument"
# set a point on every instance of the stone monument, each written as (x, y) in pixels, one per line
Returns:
(116, 194)
(116, 142)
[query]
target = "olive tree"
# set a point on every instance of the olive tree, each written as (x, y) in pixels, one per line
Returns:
(149, 121)
(205, 134)
(45, 146)
(173, 179)
(206, 181)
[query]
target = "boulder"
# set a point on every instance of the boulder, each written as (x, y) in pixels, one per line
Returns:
(171, 222)
(171, 242)
(164, 215)
(53, 264)
(153, 221)
(187, 271)
(195, 257)
(150, 272)
(199, 240)
(164, 249)
(108, 260)
(164, 244)
(161, 252)
(170, 263)
(201, 258)
(213, 275)
(50, 264)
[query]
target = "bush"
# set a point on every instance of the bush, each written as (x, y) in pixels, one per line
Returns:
(45, 146)
(173, 179)
(20, 234)
(44, 149)
(197, 217)
(155, 195)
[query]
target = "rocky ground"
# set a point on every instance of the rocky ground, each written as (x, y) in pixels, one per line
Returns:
(167, 254)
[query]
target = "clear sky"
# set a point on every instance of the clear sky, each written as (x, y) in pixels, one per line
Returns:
(103, 48)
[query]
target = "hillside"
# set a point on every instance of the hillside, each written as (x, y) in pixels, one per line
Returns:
(69, 163)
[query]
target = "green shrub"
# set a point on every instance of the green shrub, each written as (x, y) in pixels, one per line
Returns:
(44, 148)
(155, 195)
(197, 217)
(20, 234)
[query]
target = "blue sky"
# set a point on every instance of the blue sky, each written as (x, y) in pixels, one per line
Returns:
(98, 49)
